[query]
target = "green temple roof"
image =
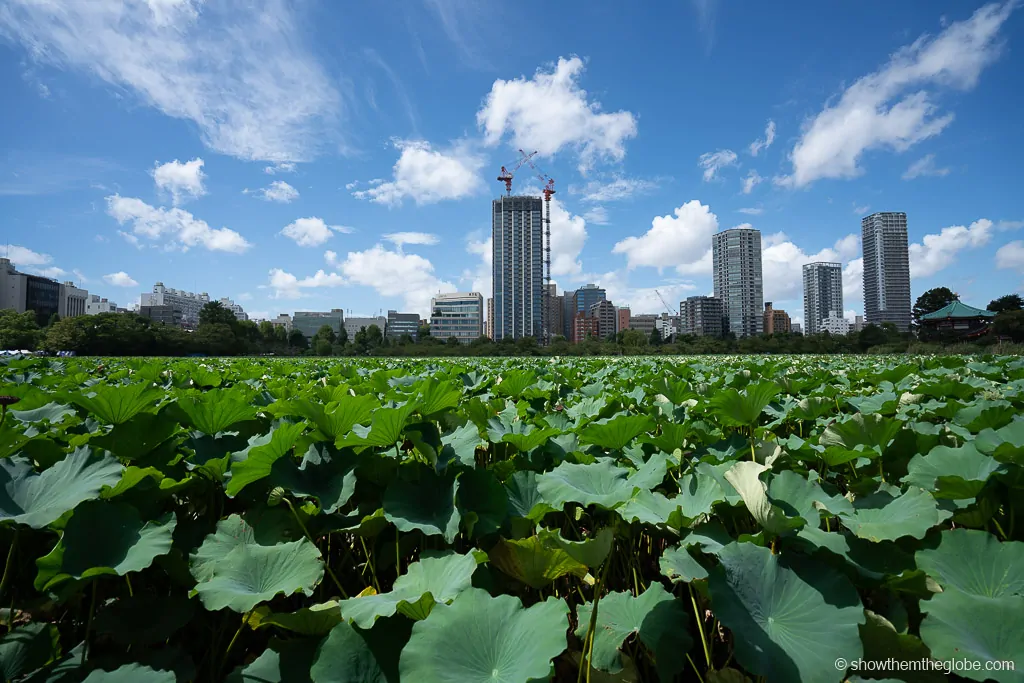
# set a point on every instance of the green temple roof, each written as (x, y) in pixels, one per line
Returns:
(958, 310)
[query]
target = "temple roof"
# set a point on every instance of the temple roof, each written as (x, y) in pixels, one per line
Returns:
(958, 310)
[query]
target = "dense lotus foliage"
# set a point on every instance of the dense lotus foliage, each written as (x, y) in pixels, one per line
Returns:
(661, 519)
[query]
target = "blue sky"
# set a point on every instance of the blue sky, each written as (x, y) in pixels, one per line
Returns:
(312, 154)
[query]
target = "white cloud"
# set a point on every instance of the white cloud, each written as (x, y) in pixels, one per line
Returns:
(1011, 255)
(673, 241)
(782, 264)
(643, 299)
(311, 232)
(183, 181)
(568, 235)
(752, 211)
(712, 162)
(550, 112)
(848, 247)
(935, 252)
(769, 137)
(616, 189)
(120, 279)
(925, 166)
(244, 296)
(176, 226)
(751, 181)
(279, 191)
(853, 281)
(239, 69)
(280, 167)
(426, 175)
(400, 238)
(393, 273)
(23, 256)
(597, 215)
(892, 108)
(861, 210)
(82, 279)
(481, 276)
(287, 286)
(1009, 225)
(52, 272)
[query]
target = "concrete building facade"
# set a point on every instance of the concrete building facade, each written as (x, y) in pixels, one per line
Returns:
(353, 325)
(623, 320)
(776, 320)
(886, 269)
(835, 323)
(282, 320)
(736, 263)
(489, 325)
(702, 316)
(403, 323)
(189, 303)
(310, 322)
(823, 292)
(517, 231)
(165, 314)
(645, 322)
(607, 318)
(239, 312)
(459, 315)
(72, 301)
(96, 305)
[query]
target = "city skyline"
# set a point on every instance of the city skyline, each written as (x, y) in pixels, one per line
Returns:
(358, 179)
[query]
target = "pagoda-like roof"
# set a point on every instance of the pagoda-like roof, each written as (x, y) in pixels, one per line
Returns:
(958, 310)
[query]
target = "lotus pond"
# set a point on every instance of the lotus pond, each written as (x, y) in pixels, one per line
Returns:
(719, 520)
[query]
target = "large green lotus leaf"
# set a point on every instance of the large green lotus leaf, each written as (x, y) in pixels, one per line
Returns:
(257, 461)
(698, 492)
(460, 446)
(736, 409)
(717, 472)
(284, 661)
(886, 646)
(524, 499)
(586, 409)
(873, 560)
(433, 396)
(534, 561)
(599, 483)
(427, 505)
(804, 497)
(325, 473)
(670, 436)
(514, 383)
(214, 411)
(956, 473)
(651, 473)
(745, 476)
(985, 415)
(230, 533)
(131, 673)
(959, 627)
(138, 437)
(105, 538)
(482, 498)
(52, 412)
(811, 408)
(791, 621)
(873, 432)
(591, 551)
(975, 562)
(129, 621)
(882, 517)
(680, 566)
(27, 648)
(336, 419)
(617, 432)
(39, 499)
(526, 436)
(885, 402)
(315, 620)
(251, 574)
(657, 618)
(345, 657)
(651, 507)
(480, 639)
(429, 581)
(1005, 444)
(117, 404)
(385, 428)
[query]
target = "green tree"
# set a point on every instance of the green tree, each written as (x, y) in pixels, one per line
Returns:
(423, 332)
(297, 341)
(217, 339)
(1008, 302)
(634, 339)
(655, 337)
(871, 335)
(326, 333)
(18, 331)
(374, 336)
(54, 319)
(342, 338)
(1010, 324)
(931, 301)
(322, 347)
(453, 342)
(214, 312)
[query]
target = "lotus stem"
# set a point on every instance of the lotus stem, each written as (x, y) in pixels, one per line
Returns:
(327, 565)
(588, 640)
(88, 623)
(234, 638)
(690, 659)
(700, 627)
(7, 577)
(369, 563)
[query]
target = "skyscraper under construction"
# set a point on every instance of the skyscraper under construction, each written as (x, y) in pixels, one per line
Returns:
(518, 266)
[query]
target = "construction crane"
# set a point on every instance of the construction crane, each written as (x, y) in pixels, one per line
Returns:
(664, 303)
(549, 189)
(506, 174)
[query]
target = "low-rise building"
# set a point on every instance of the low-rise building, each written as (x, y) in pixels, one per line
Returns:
(403, 323)
(459, 315)
(703, 316)
(72, 301)
(776, 320)
(310, 322)
(835, 323)
(644, 322)
(956, 321)
(623, 319)
(282, 320)
(165, 314)
(354, 324)
(189, 303)
(95, 305)
(227, 303)
(796, 328)
(668, 326)
(585, 327)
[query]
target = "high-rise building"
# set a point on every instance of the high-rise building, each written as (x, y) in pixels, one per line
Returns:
(459, 315)
(776, 320)
(736, 257)
(607, 318)
(189, 303)
(585, 297)
(823, 292)
(517, 231)
(353, 325)
(553, 312)
(702, 316)
(623, 322)
(886, 269)
(310, 322)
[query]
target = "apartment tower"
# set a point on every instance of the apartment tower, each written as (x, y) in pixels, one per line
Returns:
(823, 293)
(517, 229)
(736, 258)
(886, 269)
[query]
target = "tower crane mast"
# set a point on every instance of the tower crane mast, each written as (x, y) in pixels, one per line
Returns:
(549, 189)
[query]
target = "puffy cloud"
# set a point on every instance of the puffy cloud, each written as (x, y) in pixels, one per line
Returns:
(568, 235)
(615, 189)
(280, 167)
(120, 279)
(848, 247)
(50, 271)
(782, 263)
(550, 112)
(400, 238)
(853, 281)
(480, 278)
(393, 273)
(936, 251)
(769, 137)
(176, 226)
(1011, 255)
(311, 232)
(713, 162)
(676, 241)
(925, 166)
(23, 256)
(238, 69)
(751, 181)
(182, 181)
(427, 176)
(287, 286)
(279, 191)
(892, 108)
